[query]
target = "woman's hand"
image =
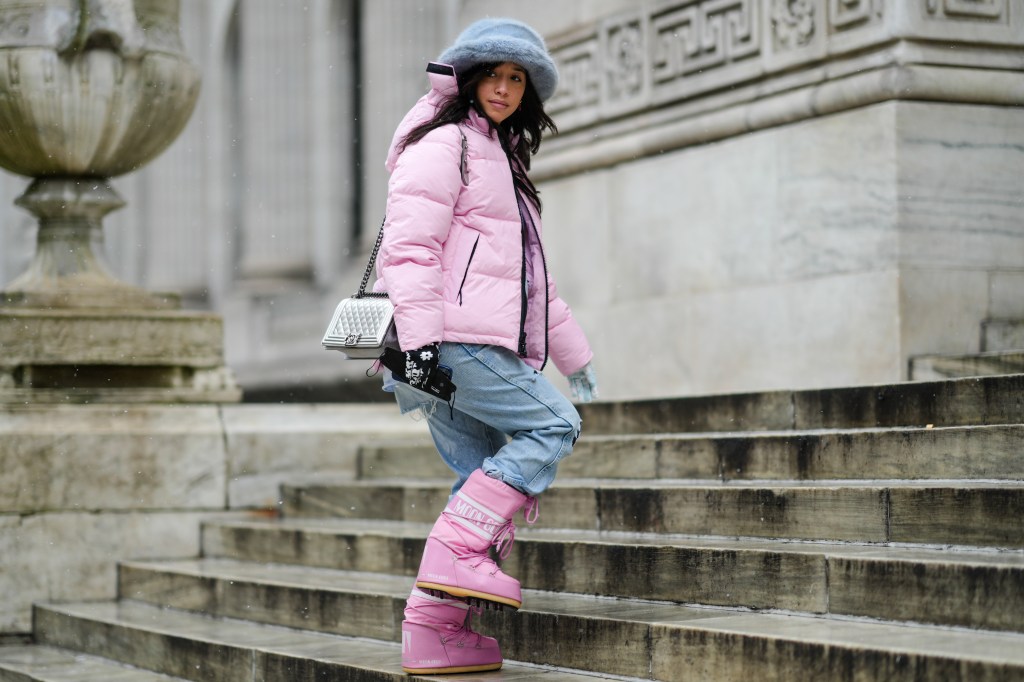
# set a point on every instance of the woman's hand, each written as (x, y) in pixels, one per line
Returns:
(584, 384)
(420, 364)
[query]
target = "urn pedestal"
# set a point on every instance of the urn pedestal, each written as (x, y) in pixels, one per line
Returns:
(92, 89)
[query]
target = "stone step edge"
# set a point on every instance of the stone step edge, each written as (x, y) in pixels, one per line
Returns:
(968, 555)
(947, 643)
(39, 662)
(788, 434)
(965, 452)
(397, 587)
(147, 618)
(949, 513)
(697, 483)
(946, 402)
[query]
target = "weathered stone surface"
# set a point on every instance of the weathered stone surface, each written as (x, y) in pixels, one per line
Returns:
(984, 594)
(813, 513)
(953, 402)
(64, 556)
(1002, 335)
(396, 503)
(978, 514)
(87, 458)
(71, 337)
(912, 453)
(773, 648)
(204, 649)
(956, 402)
(920, 453)
(746, 411)
(302, 596)
(934, 367)
(268, 445)
(366, 546)
(946, 587)
(48, 664)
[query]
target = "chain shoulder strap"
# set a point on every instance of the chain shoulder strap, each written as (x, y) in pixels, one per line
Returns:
(362, 293)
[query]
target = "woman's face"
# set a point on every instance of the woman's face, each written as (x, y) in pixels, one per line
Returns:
(501, 91)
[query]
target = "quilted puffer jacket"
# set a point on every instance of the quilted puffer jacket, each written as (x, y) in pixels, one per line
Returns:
(458, 259)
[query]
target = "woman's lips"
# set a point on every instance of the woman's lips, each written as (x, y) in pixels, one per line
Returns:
(498, 104)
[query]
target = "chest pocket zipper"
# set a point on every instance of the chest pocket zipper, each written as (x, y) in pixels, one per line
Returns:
(466, 273)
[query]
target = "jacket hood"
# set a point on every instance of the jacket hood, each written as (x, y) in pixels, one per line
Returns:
(443, 86)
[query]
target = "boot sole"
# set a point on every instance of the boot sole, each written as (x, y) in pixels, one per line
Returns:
(486, 599)
(456, 669)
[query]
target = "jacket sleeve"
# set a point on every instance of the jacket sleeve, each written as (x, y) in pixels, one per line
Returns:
(422, 192)
(567, 344)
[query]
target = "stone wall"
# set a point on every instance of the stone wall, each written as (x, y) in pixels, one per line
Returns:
(85, 486)
(755, 195)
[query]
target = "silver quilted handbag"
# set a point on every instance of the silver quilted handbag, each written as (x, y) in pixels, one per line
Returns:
(363, 325)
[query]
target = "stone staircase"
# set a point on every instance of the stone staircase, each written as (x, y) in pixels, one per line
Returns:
(1001, 352)
(866, 533)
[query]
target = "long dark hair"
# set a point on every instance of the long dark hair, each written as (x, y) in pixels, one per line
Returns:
(520, 134)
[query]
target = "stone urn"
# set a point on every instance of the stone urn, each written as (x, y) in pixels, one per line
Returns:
(91, 89)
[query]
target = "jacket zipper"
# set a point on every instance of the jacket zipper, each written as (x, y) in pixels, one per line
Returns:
(547, 307)
(525, 294)
(522, 278)
(523, 352)
(466, 273)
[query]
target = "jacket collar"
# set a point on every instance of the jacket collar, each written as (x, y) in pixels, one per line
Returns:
(444, 84)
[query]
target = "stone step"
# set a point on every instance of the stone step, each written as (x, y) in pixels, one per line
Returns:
(988, 452)
(627, 637)
(963, 587)
(930, 367)
(980, 589)
(34, 663)
(972, 513)
(951, 402)
(1002, 334)
(206, 649)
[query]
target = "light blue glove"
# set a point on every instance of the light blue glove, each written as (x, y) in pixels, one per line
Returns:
(584, 384)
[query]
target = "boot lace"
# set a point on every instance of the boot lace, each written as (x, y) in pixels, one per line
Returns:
(506, 535)
(466, 633)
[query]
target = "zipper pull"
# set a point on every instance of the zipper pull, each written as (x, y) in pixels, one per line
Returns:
(463, 167)
(522, 344)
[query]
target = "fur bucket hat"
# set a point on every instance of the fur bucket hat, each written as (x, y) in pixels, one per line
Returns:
(505, 40)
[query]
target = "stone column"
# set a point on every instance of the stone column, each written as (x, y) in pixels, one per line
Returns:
(395, 77)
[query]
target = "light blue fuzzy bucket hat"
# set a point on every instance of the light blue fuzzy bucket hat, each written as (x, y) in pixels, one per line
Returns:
(505, 40)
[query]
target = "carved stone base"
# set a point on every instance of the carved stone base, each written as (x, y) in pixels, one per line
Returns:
(102, 356)
(66, 272)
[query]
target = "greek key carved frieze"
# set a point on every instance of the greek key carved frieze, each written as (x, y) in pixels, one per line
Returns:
(661, 52)
(699, 37)
(579, 82)
(625, 60)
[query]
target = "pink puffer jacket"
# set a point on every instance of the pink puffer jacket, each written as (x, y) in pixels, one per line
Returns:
(454, 257)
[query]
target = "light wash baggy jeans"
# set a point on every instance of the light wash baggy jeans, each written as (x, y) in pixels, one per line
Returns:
(507, 418)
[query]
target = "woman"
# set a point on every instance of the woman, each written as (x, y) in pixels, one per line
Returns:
(462, 261)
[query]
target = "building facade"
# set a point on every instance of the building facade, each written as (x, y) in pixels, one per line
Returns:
(744, 194)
